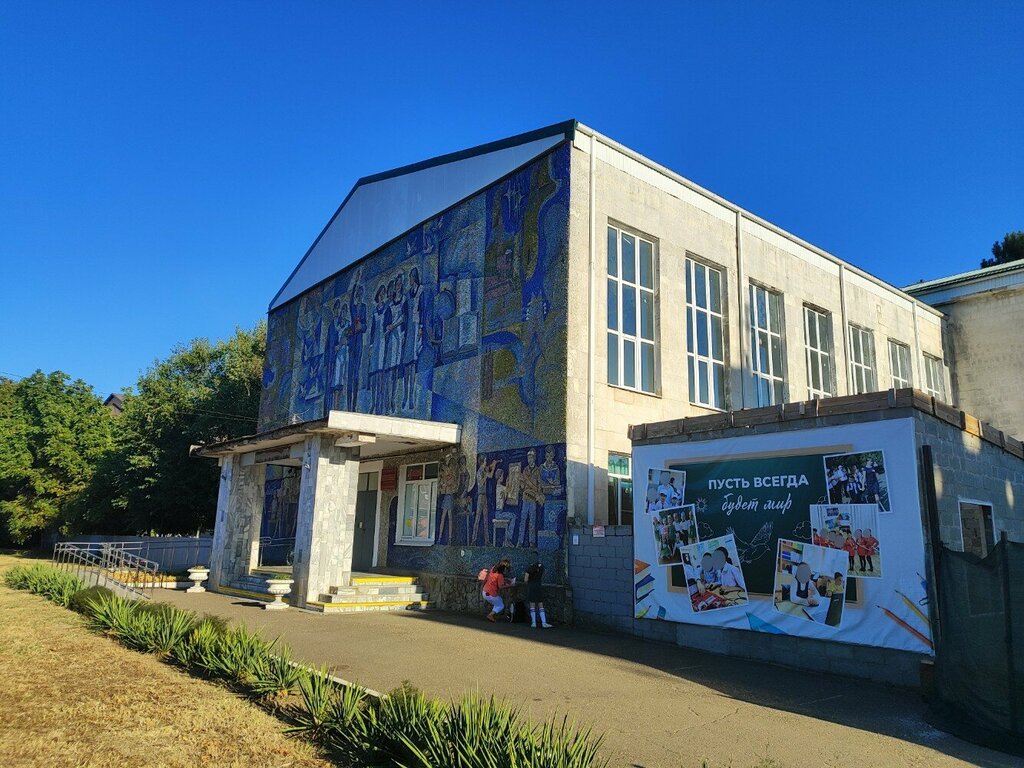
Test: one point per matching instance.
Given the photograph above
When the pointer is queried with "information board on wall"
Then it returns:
(814, 533)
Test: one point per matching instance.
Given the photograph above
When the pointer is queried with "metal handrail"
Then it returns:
(106, 563)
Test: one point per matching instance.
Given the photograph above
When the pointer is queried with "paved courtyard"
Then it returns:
(657, 705)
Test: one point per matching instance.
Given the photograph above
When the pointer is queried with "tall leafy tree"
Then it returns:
(203, 392)
(1010, 248)
(53, 432)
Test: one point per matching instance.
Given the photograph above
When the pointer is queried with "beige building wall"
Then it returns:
(612, 185)
(986, 343)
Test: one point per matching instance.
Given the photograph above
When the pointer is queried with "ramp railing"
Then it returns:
(108, 564)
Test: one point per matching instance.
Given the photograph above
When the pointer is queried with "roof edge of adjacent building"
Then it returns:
(985, 278)
(726, 422)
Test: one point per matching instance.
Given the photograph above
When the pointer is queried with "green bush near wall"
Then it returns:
(405, 728)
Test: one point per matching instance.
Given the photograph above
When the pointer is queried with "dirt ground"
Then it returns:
(658, 705)
(72, 698)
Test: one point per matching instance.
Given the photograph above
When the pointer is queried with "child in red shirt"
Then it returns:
(493, 584)
(850, 546)
(869, 544)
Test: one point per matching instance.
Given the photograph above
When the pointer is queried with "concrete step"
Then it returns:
(410, 590)
(364, 599)
(367, 607)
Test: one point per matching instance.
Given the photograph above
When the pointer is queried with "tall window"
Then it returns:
(899, 364)
(934, 377)
(631, 353)
(417, 493)
(818, 345)
(766, 345)
(620, 490)
(705, 347)
(862, 361)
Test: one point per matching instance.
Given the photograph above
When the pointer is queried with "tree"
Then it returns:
(1010, 249)
(52, 435)
(202, 393)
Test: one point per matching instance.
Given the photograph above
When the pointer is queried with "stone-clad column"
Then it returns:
(239, 515)
(326, 521)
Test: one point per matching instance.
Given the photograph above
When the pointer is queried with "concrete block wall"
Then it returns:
(601, 576)
(970, 468)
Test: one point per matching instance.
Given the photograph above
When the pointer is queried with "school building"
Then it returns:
(453, 366)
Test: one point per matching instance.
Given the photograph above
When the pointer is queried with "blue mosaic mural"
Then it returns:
(461, 320)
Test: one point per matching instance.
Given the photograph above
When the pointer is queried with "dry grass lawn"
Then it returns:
(72, 698)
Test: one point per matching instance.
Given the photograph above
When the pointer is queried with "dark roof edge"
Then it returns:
(566, 127)
(685, 428)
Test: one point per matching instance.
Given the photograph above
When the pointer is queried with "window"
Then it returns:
(862, 361)
(766, 345)
(899, 364)
(417, 493)
(705, 346)
(977, 528)
(818, 343)
(620, 490)
(631, 351)
(934, 377)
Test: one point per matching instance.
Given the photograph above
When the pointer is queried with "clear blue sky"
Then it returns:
(163, 166)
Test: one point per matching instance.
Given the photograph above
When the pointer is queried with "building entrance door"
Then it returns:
(366, 522)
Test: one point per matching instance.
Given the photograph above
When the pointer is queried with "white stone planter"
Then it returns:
(198, 576)
(279, 588)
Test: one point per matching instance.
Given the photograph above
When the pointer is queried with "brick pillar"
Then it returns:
(239, 514)
(326, 519)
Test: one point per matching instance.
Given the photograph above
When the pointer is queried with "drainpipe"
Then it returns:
(744, 319)
(918, 353)
(844, 332)
(591, 330)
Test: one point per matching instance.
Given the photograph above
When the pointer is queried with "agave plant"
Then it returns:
(171, 627)
(319, 703)
(111, 614)
(240, 654)
(561, 745)
(406, 725)
(277, 676)
(347, 732)
(199, 650)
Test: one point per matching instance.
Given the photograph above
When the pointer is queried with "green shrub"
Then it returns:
(81, 600)
(58, 586)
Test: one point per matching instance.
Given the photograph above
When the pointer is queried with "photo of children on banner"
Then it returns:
(665, 489)
(809, 582)
(714, 578)
(853, 529)
(857, 478)
(674, 530)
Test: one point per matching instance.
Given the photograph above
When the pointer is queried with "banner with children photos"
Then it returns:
(814, 533)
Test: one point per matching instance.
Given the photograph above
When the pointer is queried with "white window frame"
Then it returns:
(431, 513)
(694, 360)
(901, 379)
(617, 476)
(761, 338)
(866, 368)
(617, 337)
(934, 378)
(817, 356)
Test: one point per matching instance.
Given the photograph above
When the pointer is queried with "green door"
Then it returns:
(366, 522)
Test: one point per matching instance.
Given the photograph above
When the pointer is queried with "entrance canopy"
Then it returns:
(374, 436)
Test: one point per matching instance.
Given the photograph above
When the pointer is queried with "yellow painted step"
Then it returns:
(383, 580)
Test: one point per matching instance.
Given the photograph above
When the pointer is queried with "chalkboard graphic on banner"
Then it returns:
(757, 501)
